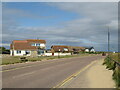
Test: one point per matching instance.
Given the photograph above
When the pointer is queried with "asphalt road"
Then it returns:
(44, 74)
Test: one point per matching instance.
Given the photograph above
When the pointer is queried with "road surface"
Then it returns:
(44, 74)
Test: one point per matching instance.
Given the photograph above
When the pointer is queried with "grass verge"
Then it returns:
(16, 59)
(111, 65)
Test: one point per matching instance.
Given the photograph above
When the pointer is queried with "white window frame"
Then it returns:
(37, 44)
(65, 49)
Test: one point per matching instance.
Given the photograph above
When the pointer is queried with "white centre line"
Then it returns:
(21, 75)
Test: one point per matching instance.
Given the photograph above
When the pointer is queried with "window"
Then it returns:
(27, 52)
(37, 44)
(65, 49)
(40, 52)
(18, 52)
(33, 44)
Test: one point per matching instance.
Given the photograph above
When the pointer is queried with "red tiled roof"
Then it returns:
(25, 44)
(36, 40)
(70, 48)
(59, 47)
(19, 41)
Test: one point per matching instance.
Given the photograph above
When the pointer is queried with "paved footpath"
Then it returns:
(94, 76)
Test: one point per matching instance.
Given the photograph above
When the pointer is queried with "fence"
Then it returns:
(116, 73)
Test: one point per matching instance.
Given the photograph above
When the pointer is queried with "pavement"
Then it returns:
(95, 76)
(44, 74)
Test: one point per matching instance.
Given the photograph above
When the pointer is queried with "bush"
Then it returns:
(33, 60)
(23, 59)
(111, 65)
(116, 76)
(3, 50)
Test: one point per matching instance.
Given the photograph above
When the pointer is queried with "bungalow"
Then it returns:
(29, 47)
(76, 49)
(60, 50)
(66, 49)
(89, 49)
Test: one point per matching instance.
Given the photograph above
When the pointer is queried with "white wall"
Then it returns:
(10, 52)
(48, 54)
(23, 52)
(20, 54)
(86, 50)
(92, 50)
(64, 54)
(42, 45)
(56, 54)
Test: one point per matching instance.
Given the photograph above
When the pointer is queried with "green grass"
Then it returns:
(11, 60)
(16, 59)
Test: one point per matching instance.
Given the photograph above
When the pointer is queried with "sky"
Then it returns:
(61, 23)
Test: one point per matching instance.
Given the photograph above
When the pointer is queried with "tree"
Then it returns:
(3, 50)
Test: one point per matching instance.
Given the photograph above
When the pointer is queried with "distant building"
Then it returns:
(76, 49)
(89, 49)
(66, 49)
(59, 48)
(30, 47)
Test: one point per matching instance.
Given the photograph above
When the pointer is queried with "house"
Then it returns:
(60, 50)
(29, 47)
(66, 49)
(76, 49)
(89, 49)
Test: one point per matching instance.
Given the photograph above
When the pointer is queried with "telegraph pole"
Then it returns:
(108, 41)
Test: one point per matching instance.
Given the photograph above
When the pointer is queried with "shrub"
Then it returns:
(116, 76)
(108, 61)
(23, 59)
(33, 60)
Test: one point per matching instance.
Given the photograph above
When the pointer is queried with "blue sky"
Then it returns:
(43, 14)
(67, 23)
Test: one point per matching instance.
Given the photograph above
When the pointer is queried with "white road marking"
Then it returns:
(21, 75)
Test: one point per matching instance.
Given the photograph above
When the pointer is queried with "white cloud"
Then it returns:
(4, 44)
(60, 0)
(89, 29)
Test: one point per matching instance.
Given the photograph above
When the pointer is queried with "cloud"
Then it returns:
(89, 29)
(4, 44)
(95, 19)
(18, 13)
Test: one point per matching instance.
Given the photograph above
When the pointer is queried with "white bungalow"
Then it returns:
(89, 49)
